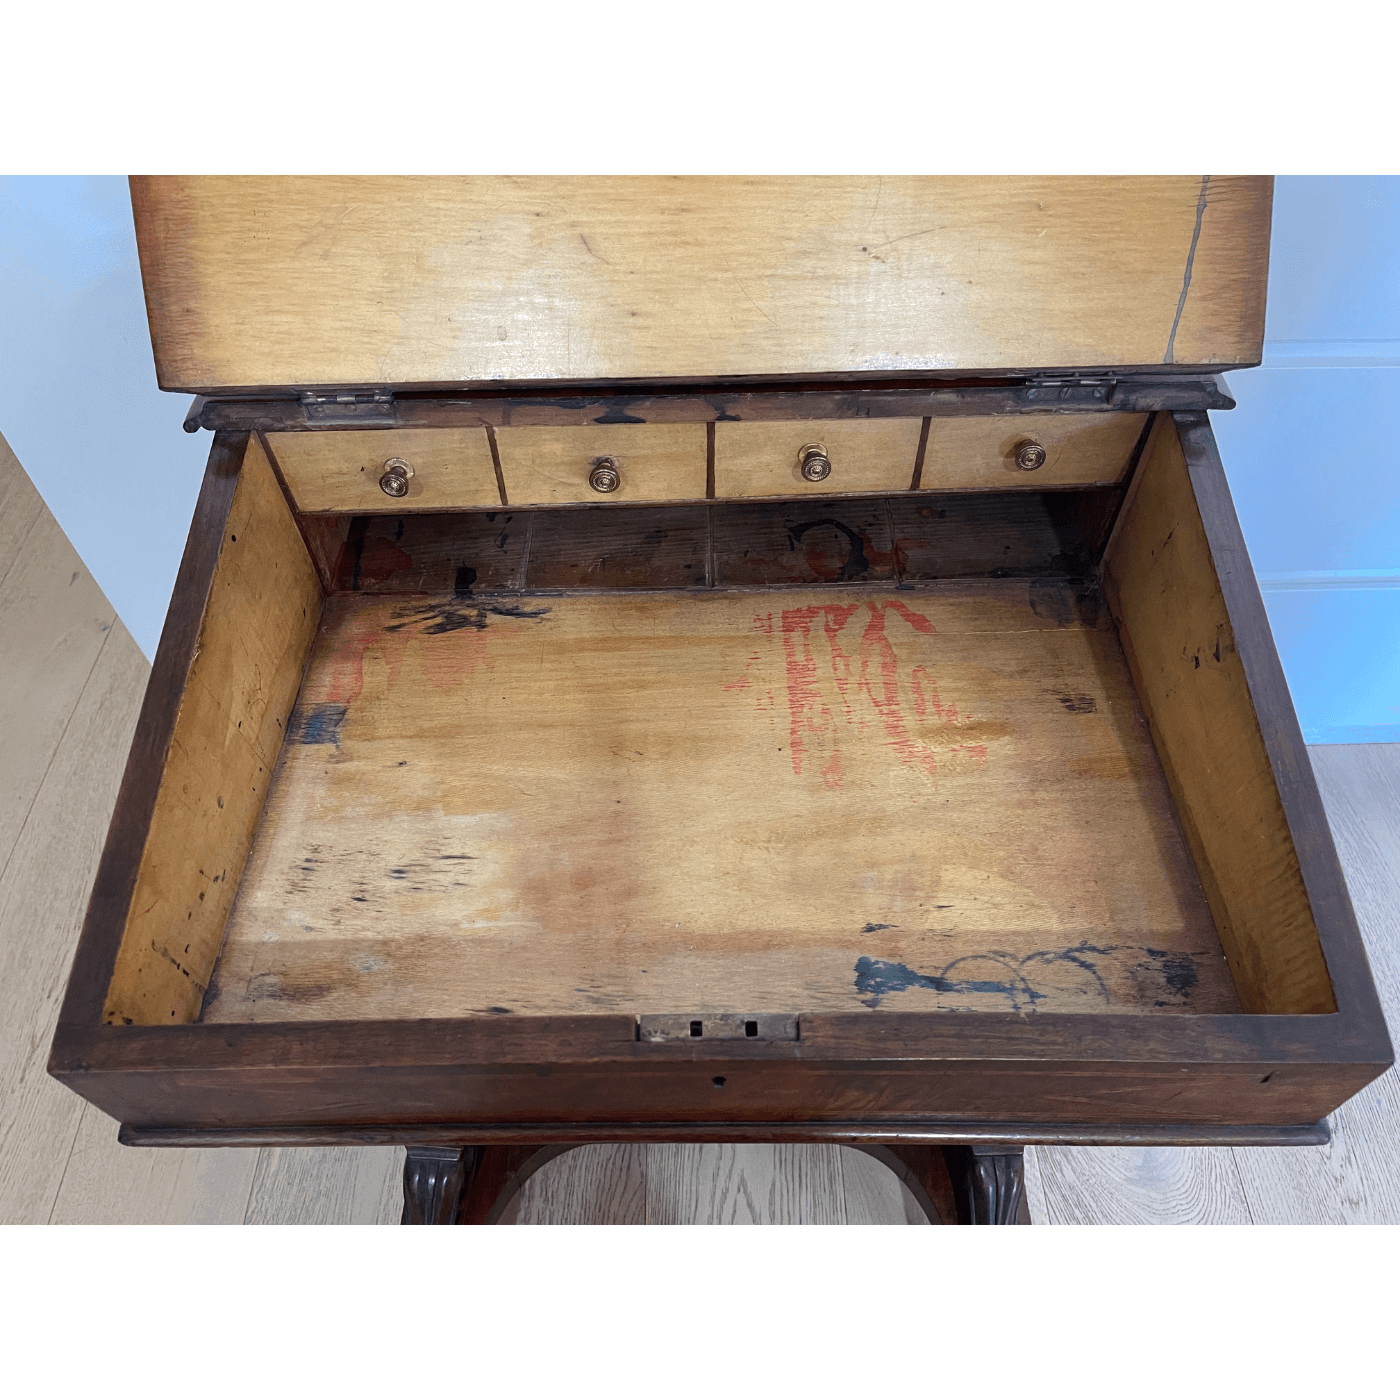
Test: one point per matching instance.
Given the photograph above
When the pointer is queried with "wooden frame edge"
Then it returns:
(105, 921)
(1018, 1134)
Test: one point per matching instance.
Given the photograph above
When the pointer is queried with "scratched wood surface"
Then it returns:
(261, 614)
(1051, 536)
(266, 281)
(743, 802)
(1160, 582)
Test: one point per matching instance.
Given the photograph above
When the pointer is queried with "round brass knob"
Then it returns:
(394, 481)
(813, 462)
(1030, 455)
(605, 476)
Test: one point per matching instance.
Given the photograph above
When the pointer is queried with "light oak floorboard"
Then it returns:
(107, 1184)
(327, 1186)
(43, 895)
(874, 1194)
(605, 1184)
(53, 623)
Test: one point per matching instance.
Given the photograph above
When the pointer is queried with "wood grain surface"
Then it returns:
(452, 469)
(656, 461)
(1162, 587)
(964, 454)
(761, 459)
(727, 802)
(261, 614)
(266, 281)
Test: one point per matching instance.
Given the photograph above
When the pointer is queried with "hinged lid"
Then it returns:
(267, 283)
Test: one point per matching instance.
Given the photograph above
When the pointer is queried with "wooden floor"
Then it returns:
(71, 681)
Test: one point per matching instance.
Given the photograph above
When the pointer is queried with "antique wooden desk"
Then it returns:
(713, 659)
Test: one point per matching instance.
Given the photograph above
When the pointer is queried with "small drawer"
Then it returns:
(617, 462)
(341, 471)
(971, 454)
(865, 454)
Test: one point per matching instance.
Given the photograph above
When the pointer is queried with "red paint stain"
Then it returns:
(808, 713)
(817, 637)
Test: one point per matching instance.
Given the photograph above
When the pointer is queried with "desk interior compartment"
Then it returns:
(937, 753)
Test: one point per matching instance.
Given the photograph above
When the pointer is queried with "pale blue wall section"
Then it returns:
(1309, 452)
(1311, 457)
(78, 397)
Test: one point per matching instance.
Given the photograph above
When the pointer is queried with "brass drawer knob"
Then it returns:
(1030, 455)
(394, 481)
(813, 462)
(605, 475)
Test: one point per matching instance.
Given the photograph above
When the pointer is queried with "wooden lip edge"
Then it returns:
(979, 1042)
(104, 923)
(1343, 949)
(819, 381)
(900, 1131)
(452, 406)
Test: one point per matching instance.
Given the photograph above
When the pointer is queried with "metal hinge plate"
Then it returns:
(1056, 392)
(353, 406)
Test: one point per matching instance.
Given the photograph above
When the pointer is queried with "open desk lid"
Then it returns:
(265, 284)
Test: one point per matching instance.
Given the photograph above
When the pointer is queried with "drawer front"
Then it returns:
(970, 454)
(340, 471)
(866, 454)
(652, 462)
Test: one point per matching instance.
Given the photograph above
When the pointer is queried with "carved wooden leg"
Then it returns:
(466, 1185)
(434, 1180)
(988, 1183)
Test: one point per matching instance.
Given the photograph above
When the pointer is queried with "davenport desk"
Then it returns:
(714, 660)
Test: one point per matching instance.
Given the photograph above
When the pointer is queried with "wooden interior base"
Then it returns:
(744, 802)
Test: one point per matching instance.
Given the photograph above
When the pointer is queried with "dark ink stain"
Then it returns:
(1178, 970)
(317, 724)
(499, 1010)
(462, 583)
(1065, 601)
(1079, 704)
(617, 414)
(1165, 978)
(1049, 600)
(877, 979)
(875, 928)
(856, 564)
(1170, 356)
(456, 857)
(452, 616)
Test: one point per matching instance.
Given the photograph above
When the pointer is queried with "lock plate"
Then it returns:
(699, 1026)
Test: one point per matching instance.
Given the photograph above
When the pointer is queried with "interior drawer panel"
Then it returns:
(554, 466)
(340, 471)
(967, 454)
(762, 459)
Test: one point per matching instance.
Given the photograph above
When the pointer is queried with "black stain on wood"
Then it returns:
(1079, 704)
(462, 583)
(317, 724)
(1159, 978)
(855, 565)
(451, 615)
(875, 928)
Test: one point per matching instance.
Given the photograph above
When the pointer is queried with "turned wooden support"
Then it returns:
(988, 1183)
(466, 1185)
